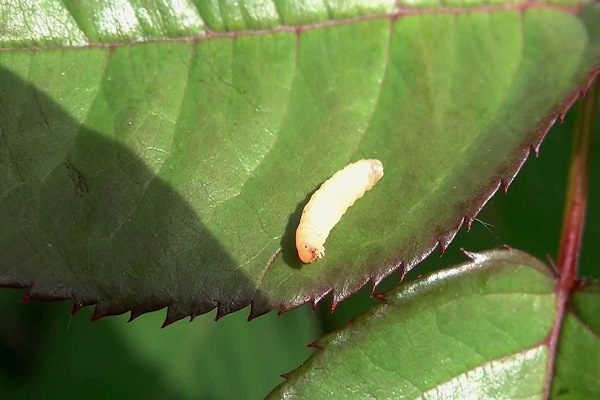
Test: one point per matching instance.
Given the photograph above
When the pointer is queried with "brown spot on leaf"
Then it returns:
(79, 181)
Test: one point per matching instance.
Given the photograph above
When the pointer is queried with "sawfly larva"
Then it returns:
(327, 205)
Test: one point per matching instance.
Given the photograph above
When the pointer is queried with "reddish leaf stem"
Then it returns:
(576, 201)
(574, 220)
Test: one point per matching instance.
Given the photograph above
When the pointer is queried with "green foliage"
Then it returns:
(158, 155)
(480, 331)
(172, 173)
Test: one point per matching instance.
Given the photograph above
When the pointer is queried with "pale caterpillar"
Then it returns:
(327, 205)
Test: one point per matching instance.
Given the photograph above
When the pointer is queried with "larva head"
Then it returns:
(376, 169)
(307, 253)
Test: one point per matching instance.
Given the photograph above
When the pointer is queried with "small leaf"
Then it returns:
(479, 330)
(578, 359)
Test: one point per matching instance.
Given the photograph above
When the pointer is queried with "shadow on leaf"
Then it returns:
(85, 219)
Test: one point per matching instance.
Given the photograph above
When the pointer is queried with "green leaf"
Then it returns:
(478, 330)
(578, 359)
(156, 156)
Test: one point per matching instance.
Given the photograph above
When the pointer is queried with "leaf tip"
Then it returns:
(133, 314)
(75, 307)
(445, 240)
(334, 305)
(373, 286)
(256, 310)
(220, 313)
(443, 247)
(471, 255)
(193, 316)
(535, 148)
(505, 184)
(251, 316)
(167, 322)
(380, 296)
(172, 316)
(314, 345)
(403, 271)
(315, 300)
(338, 297)
(468, 222)
(96, 315)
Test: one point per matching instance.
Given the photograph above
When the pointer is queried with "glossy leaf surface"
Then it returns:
(156, 156)
(479, 330)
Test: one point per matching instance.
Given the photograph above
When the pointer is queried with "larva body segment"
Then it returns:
(327, 205)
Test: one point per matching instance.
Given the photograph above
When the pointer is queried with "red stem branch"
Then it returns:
(574, 221)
